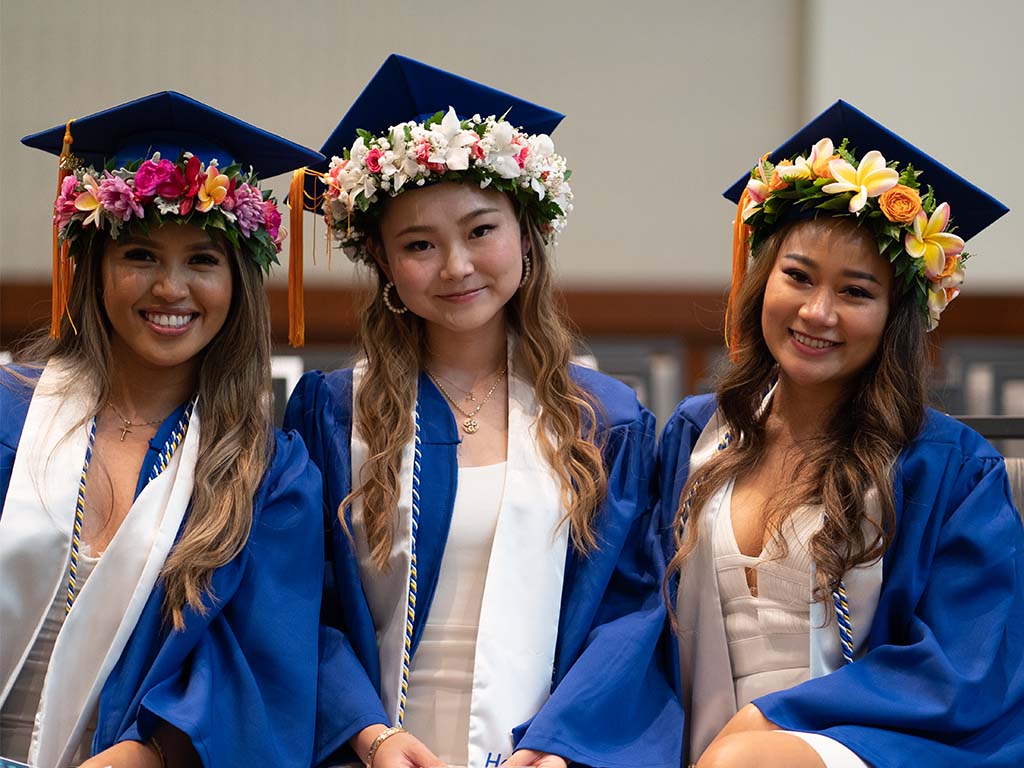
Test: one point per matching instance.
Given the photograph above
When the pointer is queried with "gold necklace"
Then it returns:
(127, 424)
(470, 424)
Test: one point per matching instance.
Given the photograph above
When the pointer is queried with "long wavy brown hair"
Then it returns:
(395, 348)
(234, 399)
(882, 411)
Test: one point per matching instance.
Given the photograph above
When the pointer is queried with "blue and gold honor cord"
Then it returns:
(170, 446)
(410, 615)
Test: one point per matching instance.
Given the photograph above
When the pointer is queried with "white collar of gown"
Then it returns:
(709, 697)
(515, 647)
(35, 549)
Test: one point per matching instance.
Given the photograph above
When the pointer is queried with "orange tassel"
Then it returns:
(740, 257)
(296, 300)
(63, 268)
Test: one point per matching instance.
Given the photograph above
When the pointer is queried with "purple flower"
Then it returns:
(248, 209)
(118, 198)
(64, 208)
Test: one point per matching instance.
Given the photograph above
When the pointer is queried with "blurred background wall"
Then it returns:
(667, 102)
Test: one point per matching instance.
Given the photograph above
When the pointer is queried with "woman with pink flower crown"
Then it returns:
(847, 566)
(161, 581)
(492, 591)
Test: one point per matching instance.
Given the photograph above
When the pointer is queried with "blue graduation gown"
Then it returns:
(241, 679)
(611, 701)
(941, 682)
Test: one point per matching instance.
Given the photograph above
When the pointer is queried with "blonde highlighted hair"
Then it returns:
(234, 401)
(882, 411)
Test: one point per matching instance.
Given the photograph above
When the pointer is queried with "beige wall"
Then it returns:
(667, 102)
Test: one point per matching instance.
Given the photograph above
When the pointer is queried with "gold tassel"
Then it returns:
(63, 269)
(740, 256)
(296, 300)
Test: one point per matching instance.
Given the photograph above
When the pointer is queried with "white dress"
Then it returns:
(441, 675)
(769, 634)
(17, 718)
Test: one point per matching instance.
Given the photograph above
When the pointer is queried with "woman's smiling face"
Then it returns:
(166, 294)
(455, 254)
(826, 303)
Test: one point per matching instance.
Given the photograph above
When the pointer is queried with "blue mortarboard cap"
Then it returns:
(170, 123)
(972, 208)
(404, 89)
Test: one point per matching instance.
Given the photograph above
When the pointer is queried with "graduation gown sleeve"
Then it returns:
(612, 702)
(240, 680)
(349, 678)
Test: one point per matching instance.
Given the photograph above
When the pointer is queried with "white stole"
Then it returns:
(709, 698)
(515, 647)
(35, 547)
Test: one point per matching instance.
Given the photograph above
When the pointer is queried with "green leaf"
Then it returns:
(836, 203)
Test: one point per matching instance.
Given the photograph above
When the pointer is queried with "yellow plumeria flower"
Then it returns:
(870, 179)
(90, 201)
(212, 191)
(928, 241)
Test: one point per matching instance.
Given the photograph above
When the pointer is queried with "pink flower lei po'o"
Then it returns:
(157, 191)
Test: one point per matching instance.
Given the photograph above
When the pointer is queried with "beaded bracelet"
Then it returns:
(383, 736)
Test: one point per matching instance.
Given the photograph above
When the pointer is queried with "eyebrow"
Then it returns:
(854, 273)
(205, 245)
(462, 220)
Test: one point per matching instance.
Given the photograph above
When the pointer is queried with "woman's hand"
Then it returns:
(403, 750)
(528, 757)
(125, 754)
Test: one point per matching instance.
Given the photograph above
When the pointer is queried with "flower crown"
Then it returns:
(912, 231)
(489, 151)
(156, 191)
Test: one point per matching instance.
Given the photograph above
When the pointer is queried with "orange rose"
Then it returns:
(776, 182)
(820, 166)
(900, 204)
(952, 265)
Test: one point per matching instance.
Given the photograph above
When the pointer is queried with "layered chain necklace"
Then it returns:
(127, 424)
(470, 424)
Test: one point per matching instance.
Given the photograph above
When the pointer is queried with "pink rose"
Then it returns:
(476, 150)
(373, 160)
(423, 152)
(272, 219)
(521, 157)
(64, 208)
(151, 175)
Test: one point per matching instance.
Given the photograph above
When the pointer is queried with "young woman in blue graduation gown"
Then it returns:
(491, 586)
(161, 577)
(849, 562)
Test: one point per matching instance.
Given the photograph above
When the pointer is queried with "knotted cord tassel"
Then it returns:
(740, 257)
(296, 300)
(60, 288)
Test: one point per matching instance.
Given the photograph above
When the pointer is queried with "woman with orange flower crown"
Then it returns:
(847, 564)
(492, 593)
(161, 578)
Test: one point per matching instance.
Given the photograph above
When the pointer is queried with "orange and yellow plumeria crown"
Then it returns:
(912, 230)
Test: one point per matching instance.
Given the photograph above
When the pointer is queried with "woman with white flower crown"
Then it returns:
(161, 577)
(492, 592)
(848, 564)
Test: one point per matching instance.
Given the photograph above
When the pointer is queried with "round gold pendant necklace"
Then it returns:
(470, 424)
